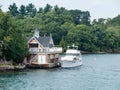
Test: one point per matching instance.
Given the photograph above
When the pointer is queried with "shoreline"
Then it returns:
(12, 67)
(8, 67)
(84, 52)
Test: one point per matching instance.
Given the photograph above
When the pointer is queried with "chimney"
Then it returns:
(36, 33)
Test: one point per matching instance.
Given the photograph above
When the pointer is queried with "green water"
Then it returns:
(98, 72)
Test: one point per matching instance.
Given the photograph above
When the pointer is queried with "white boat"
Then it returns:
(72, 57)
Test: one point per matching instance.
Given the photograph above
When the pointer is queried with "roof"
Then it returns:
(45, 41)
(28, 38)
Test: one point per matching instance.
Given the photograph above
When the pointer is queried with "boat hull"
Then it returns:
(67, 64)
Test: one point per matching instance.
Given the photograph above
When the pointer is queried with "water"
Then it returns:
(98, 72)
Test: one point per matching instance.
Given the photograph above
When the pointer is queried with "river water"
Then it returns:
(98, 72)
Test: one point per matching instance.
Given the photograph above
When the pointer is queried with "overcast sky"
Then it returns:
(97, 8)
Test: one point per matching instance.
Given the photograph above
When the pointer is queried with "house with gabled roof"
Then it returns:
(43, 52)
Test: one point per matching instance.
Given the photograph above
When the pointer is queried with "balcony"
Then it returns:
(45, 50)
(55, 49)
(33, 50)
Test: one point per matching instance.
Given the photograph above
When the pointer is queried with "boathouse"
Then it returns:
(43, 53)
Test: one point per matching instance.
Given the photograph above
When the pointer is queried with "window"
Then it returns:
(35, 45)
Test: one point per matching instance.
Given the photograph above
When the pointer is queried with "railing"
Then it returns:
(33, 50)
(45, 50)
(55, 49)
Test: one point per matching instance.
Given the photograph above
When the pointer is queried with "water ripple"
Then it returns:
(102, 73)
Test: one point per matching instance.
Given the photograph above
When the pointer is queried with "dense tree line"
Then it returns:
(55, 20)
(66, 26)
(13, 45)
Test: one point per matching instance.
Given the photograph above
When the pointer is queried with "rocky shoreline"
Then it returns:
(11, 67)
(8, 66)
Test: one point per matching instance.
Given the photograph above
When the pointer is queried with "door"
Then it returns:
(42, 59)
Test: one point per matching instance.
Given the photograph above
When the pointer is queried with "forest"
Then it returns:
(66, 26)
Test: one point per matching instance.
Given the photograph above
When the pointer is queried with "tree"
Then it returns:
(76, 14)
(113, 38)
(0, 7)
(80, 17)
(1, 13)
(85, 18)
(13, 9)
(98, 38)
(31, 10)
(114, 22)
(1, 34)
(40, 10)
(22, 10)
(47, 8)
(14, 47)
(57, 9)
(0, 50)
(63, 44)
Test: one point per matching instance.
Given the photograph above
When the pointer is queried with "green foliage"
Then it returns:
(47, 8)
(80, 17)
(40, 10)
(31, 10)
(22, 10)
(13, 9)
(114, 22)
(66, 27)
(14, 45)
(63, 44)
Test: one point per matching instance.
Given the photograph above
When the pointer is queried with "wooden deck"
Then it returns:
(42, 66)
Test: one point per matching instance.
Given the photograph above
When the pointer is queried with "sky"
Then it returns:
(97, 8)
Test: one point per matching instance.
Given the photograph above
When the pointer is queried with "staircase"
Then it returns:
(34, 59)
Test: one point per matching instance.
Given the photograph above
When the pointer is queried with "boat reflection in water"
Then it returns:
(72, 57)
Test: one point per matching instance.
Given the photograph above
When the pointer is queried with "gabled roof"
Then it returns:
(44, 41)
(28, 38)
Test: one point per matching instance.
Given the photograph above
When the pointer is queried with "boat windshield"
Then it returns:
(72, 47)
